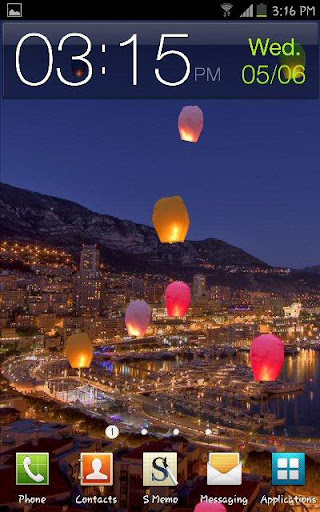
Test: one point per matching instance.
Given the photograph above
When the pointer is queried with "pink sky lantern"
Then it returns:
(209, 507)
(137, 318)
(178, 298)
(267, 357)
(190, 123)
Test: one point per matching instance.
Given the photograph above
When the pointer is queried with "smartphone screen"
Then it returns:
(160, 258)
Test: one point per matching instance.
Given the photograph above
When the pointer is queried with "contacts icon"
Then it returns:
(96, 468)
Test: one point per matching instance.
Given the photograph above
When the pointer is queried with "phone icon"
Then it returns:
(32, 468)
(26, 464)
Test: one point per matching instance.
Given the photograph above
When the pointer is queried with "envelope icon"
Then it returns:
(224, 469)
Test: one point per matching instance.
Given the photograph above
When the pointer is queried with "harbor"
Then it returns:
(216, 392)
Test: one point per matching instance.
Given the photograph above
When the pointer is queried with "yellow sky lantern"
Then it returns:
(293, 66)
(171, 219)
(79, 350)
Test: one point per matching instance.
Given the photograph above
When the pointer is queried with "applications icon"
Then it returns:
(96, 468)
(288, 469)
(32, 468)
(224, 469)
(160, 469)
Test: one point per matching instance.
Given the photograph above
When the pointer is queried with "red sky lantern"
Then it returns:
(178, 298)
(209, 507)
(190, 123)
(267, 357)
(137, 318)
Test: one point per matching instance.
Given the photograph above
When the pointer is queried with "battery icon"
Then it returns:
(261, 11)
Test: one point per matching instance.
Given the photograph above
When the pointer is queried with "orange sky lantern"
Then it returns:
(79, 69)
(171, 219)
(79, 350)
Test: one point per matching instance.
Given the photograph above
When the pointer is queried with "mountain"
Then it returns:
(125, 245)
(31, 216)
(313, 269)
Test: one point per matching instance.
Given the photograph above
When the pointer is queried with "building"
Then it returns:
(199, 285)
(13, 400)
(103, 328)
(12, 299)
(220, 293)
(293, 311)
(115, 299)
(242, 334)
(138, 287)
(24, 321)
(46, 321)
(218, 335)
(154, 292)
(90, 258)
(4, 319)
(8, 333)
(9, 415)
(52, 342)
(88, 281)
(29, 430)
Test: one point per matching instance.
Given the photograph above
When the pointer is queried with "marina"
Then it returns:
(195, 391)
(266, 407)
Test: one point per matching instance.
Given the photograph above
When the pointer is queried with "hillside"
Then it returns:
(125, 245)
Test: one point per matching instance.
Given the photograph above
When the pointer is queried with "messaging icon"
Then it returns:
(224, 469)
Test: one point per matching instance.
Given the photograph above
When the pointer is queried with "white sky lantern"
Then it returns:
(137, 318)
(190, 123)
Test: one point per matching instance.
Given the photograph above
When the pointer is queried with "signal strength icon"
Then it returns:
(227, 8)
(248, 13)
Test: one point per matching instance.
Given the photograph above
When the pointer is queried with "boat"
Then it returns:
(278, 388)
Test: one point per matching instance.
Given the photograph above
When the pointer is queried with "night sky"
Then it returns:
(253, 179)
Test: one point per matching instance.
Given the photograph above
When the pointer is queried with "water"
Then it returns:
(301, 410)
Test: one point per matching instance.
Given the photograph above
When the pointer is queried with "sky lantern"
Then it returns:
(171, 219)
(79, 350)
(137, 318)
(178, 298)
(209, 507)
(79, 69)
(293, 66)
(267, 357)
(190, 123)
